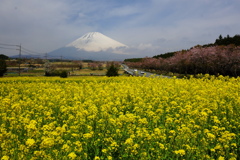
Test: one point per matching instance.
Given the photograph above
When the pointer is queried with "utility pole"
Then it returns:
(46, 56)
(19, 62)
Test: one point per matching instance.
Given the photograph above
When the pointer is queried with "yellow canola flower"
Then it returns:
(96, 158)
(119, 117)
(30, 142)
(180, 152)
(88, 135)
(221, 158)
(161, 146)
(32, 124)
(66, 147)
(72, 155)
(47, 143)
(211, 136)
(104, 150)
(5, 158)
(109, 158)
(129, 141)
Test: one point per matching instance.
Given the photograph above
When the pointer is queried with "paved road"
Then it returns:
(136, 72)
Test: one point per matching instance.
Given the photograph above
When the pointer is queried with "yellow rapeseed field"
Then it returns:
(119, 118)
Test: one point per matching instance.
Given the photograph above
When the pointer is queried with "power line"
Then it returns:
(55, 56)
(30, 51)
(4, 44)
(7, 48)
(23, 49)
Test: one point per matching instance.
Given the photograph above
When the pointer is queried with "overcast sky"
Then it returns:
(152, 26)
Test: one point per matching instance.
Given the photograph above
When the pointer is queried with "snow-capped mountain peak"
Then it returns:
(95, 42)
(93, 46)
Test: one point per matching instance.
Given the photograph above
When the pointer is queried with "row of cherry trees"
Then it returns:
(215, 60)
(100, 65)
(95, 66)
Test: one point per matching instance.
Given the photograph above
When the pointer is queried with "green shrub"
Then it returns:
(112, 71)
(63, 74)
(3, 67)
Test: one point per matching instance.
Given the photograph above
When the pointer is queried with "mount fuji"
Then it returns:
(92, 46)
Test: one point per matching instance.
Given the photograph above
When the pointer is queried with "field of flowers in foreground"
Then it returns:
(119, 118)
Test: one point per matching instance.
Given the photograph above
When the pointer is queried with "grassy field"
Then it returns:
(85, 71)
(119, 118)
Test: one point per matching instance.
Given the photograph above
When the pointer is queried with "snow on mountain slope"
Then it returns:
(95, 42)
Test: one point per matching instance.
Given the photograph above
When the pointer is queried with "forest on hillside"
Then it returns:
(220, 58)
(220, 41)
